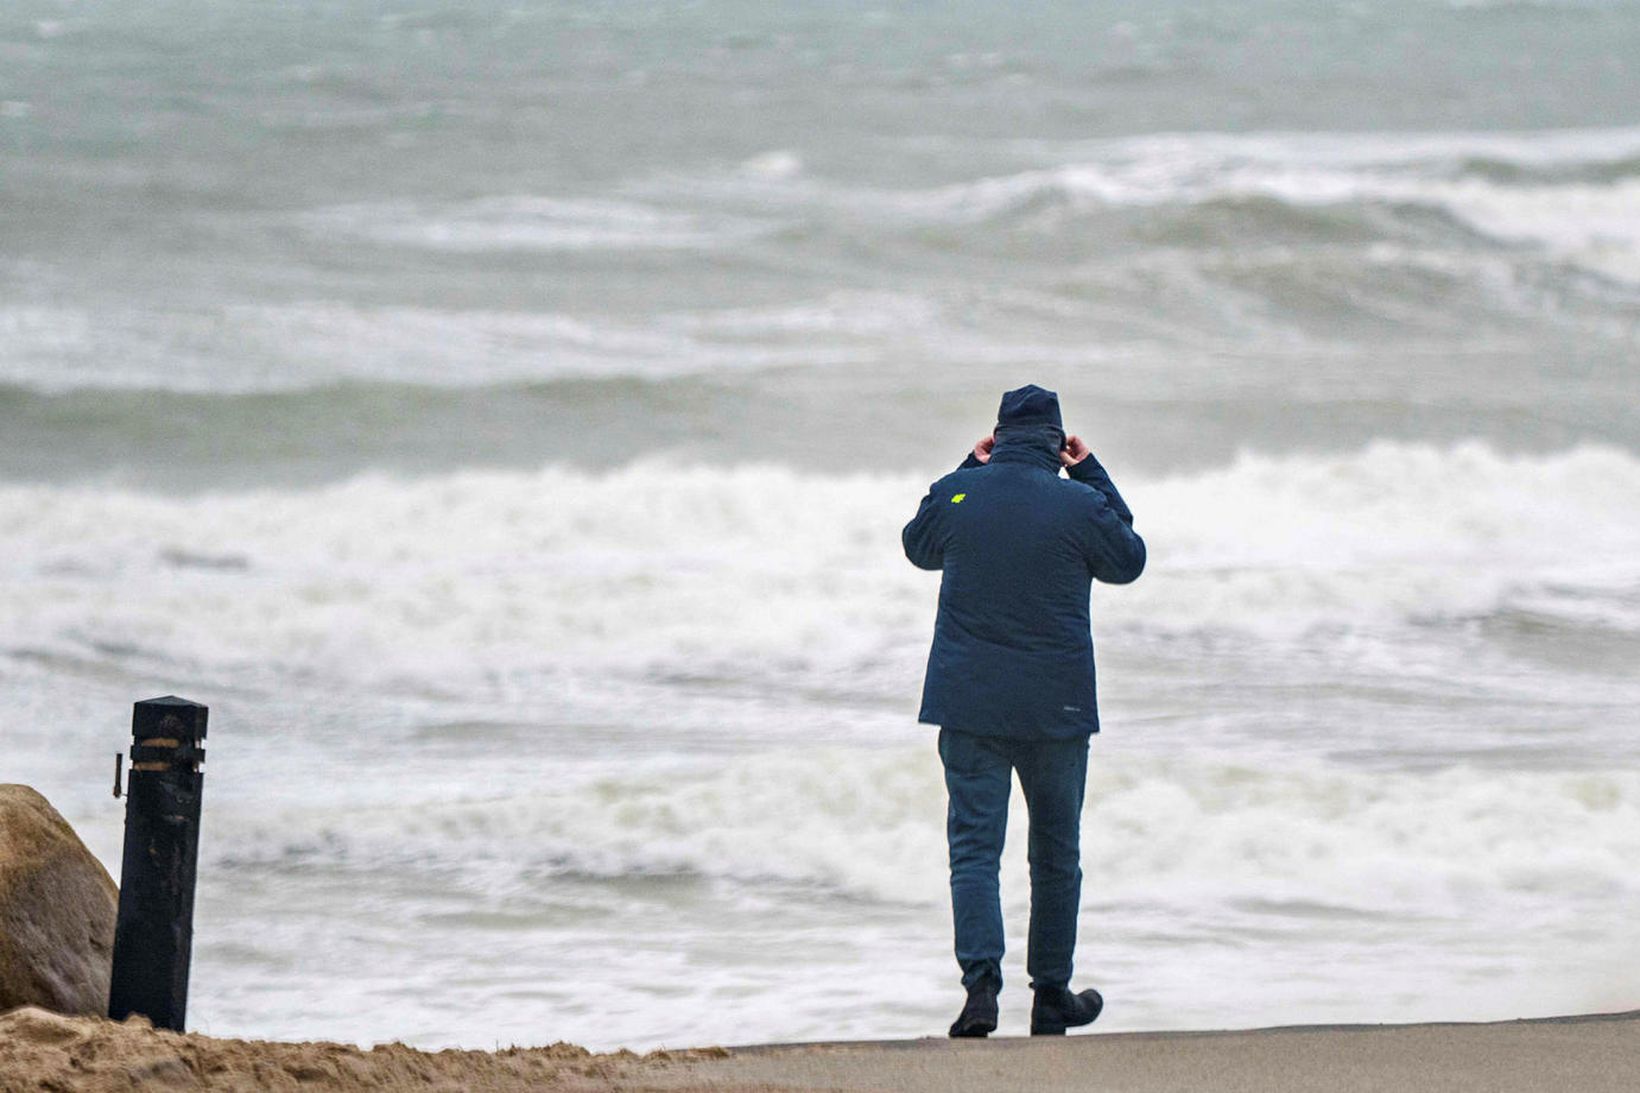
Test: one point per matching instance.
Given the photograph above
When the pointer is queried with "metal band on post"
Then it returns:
(153, 940)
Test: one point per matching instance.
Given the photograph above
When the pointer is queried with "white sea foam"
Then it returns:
(526, 222)
(1593, 226)
(62, 349)
(780, 163)
(1590, 223)
(840, 313)
(761, 570)
(1397, 532)
(1156, 831)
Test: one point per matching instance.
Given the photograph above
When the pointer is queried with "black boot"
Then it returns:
(1057, 1009)
(979, 1017)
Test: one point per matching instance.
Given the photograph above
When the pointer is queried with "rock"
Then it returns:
(57, 911)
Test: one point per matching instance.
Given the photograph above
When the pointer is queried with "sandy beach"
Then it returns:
(1587, 1054)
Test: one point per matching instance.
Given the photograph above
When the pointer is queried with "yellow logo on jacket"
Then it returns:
(956, 499)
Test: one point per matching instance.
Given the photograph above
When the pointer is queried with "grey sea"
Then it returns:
(503, 415)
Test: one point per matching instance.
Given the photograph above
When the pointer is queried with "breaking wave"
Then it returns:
(525, 222)
(1573, 195)
(655, 570)
(866, 823)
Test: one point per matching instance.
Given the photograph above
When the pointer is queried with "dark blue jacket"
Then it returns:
(1020, 547)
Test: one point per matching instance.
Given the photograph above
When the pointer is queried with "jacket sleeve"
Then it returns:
(921, 538)
(1116, 554)
(924, 537)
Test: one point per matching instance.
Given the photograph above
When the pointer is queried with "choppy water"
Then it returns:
(503, 418)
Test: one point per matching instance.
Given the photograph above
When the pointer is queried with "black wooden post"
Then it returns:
(154, 937)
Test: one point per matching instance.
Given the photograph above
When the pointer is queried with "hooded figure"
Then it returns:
(1013, 648)
(1010, 682)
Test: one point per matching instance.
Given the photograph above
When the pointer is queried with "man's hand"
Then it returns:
(982, 450)
(1073, 452)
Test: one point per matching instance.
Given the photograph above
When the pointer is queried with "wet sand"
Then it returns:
(1592, 1054)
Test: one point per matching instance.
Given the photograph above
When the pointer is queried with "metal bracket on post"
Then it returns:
(153, 940)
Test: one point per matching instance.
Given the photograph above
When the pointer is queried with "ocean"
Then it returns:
(502, 416)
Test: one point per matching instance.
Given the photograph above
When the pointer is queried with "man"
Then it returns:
(1010, 683)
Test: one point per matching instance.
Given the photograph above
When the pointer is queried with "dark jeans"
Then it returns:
(978, 777)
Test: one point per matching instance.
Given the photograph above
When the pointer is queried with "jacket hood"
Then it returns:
(1034, 444)
(1029, 405)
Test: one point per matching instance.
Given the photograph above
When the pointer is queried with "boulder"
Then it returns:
(57, 911)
